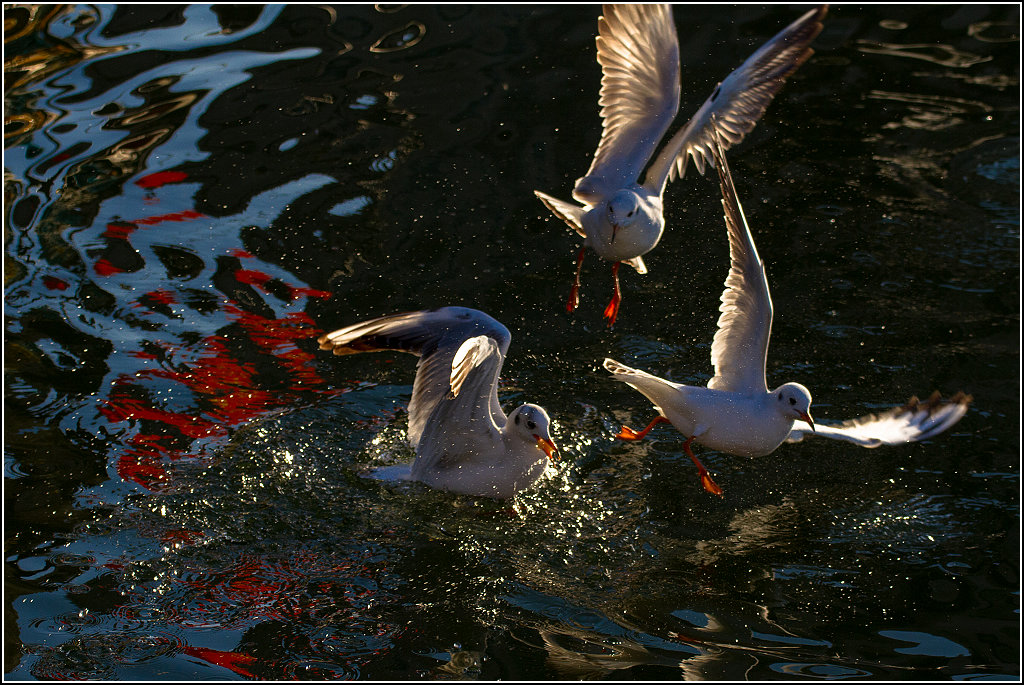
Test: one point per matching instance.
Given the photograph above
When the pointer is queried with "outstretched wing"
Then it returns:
(461, 351)
(913, 421)
(638, 51)
(737, 102)
(740, 348)
(567, 212)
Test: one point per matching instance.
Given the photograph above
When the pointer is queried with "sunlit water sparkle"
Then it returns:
(194, 193)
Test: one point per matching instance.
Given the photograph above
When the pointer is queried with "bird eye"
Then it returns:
(517, 419)
(780, 396)
(531, 425)
(792, 400)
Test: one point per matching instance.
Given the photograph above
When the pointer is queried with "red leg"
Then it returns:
(705, 478)
(628, 433)
(611, 312)
(574, 295)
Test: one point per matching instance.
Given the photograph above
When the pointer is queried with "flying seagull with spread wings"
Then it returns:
(620, 211)
(736, 412)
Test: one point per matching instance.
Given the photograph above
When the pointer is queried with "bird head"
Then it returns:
(532, 424)
(794, 401)
(622, 209)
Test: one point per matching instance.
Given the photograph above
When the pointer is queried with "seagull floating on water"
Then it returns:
(464, 443)
(621, 215)
(736, 413)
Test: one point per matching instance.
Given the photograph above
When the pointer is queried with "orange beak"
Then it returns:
(546, 446)
(807, 417)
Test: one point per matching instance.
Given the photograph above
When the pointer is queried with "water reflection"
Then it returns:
(400, 39)
(192, 192)
(943, 55)
(929, 112)
(824, 671)
(931, 645)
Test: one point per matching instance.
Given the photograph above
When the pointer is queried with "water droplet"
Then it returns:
(400, 39)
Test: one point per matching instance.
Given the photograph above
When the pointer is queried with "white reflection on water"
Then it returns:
(943, 55)
(265, 548)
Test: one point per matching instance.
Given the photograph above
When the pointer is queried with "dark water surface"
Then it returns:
(192, 194)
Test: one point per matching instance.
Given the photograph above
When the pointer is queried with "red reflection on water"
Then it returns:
(161, 178)
(54, 283)
(183, 536)
(119, 229)
(173, 216)
(121, 407)
(309, 292)
(154, 298)
(119, 256)
(297, 589)
(226, 390)
(251, 277)
(260, 280)
(103, 267)
(301, 593)
(235, 661)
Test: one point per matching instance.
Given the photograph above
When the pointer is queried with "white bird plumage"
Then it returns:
(737, 413)
(621, 214)
(464, 443)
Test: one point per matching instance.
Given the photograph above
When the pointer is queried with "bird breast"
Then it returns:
(628, 240)
(730, 422)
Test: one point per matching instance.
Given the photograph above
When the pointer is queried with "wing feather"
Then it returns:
(914, 421)
(738, 102)
(461, 352)
(638, 51)
(569, 213)
(740, 347)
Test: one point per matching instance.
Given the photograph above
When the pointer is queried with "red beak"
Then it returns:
(546, 446)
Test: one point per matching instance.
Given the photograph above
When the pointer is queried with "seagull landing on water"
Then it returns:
(737, 413)
(621, 214)
(464, 442)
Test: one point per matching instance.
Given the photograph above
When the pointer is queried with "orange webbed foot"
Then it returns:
(628, 433)
(709, 484)
(705, 478)
(611, 312)
(573, 302)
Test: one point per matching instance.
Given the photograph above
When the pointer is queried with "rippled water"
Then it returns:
(193, 193)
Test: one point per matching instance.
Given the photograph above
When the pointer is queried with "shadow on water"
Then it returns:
(194, 193)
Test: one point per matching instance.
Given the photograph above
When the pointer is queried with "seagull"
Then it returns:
(621, 214)
(736, 412)
(464, 443)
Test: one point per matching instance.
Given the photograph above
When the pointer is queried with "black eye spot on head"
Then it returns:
(531, 425)
(517, 419)
(792, 400)
(780, 396)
